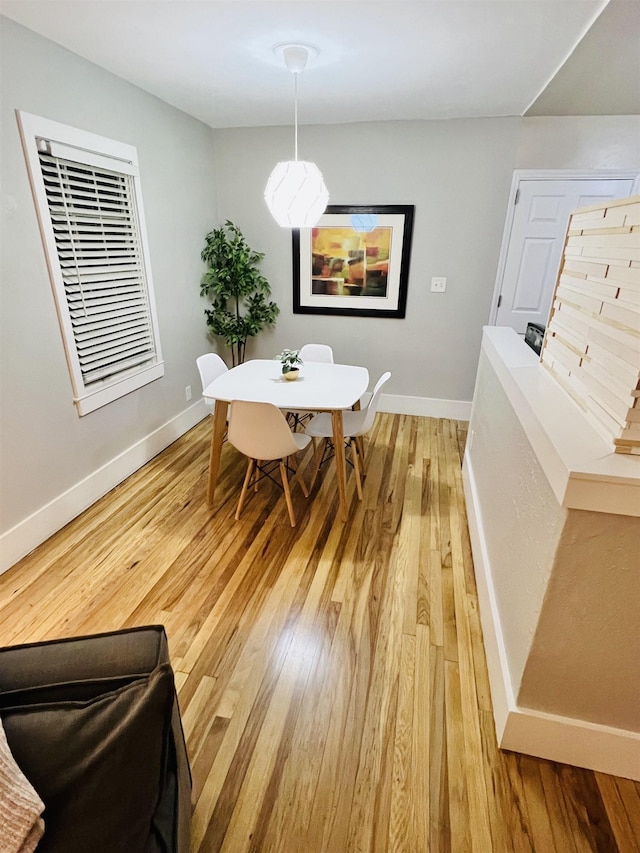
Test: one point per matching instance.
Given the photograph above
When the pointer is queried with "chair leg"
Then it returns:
(356, 466)
(287, 493)
(296, 468)
(256, 472)
(245, 486)
(360, 445)
(319, 454)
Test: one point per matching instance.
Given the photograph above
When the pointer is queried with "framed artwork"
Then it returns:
(354, 262)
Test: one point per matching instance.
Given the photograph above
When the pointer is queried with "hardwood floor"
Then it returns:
(331, 677)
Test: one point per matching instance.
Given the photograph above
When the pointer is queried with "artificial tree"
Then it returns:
(238, 291)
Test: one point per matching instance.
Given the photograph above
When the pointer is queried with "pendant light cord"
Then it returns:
(295, 112)
(295, 193)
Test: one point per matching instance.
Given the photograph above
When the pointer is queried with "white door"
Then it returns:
(536, 242)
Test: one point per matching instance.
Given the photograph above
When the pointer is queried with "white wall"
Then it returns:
(456, 173)
(565, 597)
(579, 142)
(522, 521)
(558, 585)
(45, 448)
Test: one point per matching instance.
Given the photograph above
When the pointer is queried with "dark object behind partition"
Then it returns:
(534, 336)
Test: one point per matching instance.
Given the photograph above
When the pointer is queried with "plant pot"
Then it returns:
(290, 375)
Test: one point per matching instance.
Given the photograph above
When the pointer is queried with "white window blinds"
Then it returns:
(98, 244)
(94, 238)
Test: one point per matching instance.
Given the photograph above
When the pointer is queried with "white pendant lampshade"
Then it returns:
(295, 193)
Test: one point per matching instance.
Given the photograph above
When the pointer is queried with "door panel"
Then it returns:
(536, 242)
(535, 263)
(545, 208)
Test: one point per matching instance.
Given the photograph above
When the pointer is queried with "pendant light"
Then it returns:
(295, 192)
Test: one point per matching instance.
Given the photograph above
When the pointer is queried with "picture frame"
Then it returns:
(354, 262)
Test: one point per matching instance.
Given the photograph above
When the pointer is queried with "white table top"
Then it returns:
(319, 386)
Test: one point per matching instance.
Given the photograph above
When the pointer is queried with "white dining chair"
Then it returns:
(316, 352)
(355, 425)
(261, 432)
(210, 366)
(309, 352)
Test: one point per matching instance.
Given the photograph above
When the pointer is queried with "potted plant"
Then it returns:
(237, 289)
(290, 359)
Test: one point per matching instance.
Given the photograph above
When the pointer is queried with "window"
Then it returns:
(89, 204)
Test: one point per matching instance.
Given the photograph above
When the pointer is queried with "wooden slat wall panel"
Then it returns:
(592, 342)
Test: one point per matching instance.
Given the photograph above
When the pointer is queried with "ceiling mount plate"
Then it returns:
(295, 55)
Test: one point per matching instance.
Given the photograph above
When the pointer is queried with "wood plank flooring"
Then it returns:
(331, 677)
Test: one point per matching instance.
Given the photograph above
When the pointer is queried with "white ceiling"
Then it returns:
(380, 60)
(602, 77)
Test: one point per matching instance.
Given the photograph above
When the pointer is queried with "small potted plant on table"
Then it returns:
(290, 360)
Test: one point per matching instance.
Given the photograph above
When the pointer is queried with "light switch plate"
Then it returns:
(438, 284)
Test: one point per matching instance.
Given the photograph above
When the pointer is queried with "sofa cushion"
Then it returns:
(97, 763)
(65, 691)
(130, 651)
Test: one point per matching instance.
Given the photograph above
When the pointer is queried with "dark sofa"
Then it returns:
(93, 723)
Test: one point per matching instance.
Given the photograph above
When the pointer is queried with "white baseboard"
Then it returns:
(494, 647)
(32, 531)
(575, 742)
(427, 407)
(533, 732)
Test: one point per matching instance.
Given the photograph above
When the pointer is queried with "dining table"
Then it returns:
(319, 387)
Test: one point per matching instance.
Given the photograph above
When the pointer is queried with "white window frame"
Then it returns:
(98, 151)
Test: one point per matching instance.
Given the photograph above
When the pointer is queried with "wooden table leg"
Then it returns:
(358, 440)
(338, 449)
(217, 437)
